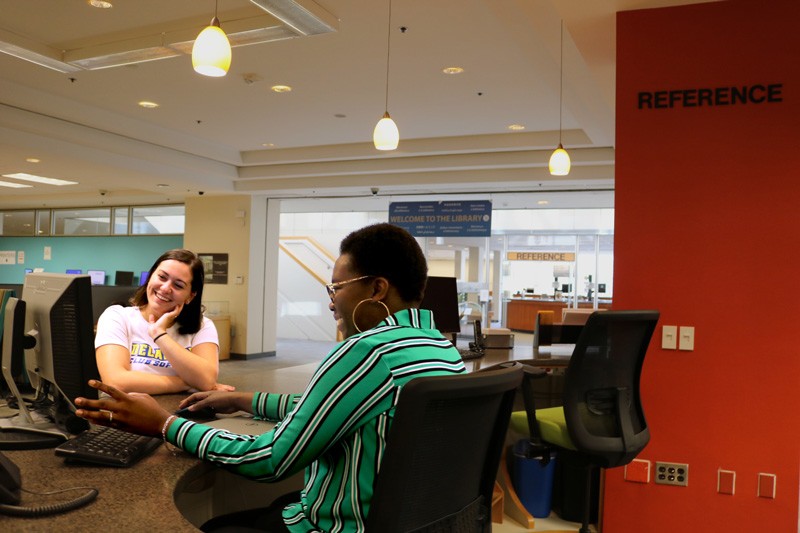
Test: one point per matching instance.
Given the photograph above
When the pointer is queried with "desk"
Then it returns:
(143, 497)
(521, 312)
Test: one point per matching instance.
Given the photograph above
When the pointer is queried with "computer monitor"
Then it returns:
(98, 277)
(74, 271)
(143, 277)
(441, 297)
(104, 296)
(58, 338)
(123, 277)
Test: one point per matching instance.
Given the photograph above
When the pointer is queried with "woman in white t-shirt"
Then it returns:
(162, 343)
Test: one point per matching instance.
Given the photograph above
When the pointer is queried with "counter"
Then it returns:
(148, 496)
(521, 312)
(138, 498)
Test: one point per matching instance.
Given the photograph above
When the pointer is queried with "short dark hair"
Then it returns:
(391, 252)
(191, 317)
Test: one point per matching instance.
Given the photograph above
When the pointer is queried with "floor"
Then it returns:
(292, 352)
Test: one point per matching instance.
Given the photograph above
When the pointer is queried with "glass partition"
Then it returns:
(43, 222)
(158, 220)
(121, 220)
(82, 221)
(146, 220)
(18, 223)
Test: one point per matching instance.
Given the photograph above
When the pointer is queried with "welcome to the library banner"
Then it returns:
(467, 218)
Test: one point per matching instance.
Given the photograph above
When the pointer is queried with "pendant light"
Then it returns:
(386, 135)
(559, 159)
(211, 53)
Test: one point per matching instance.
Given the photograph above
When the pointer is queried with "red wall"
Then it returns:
(707, 216)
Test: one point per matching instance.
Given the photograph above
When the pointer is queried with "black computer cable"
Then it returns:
(50, 509)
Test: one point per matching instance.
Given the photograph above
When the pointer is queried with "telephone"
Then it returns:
(11, 485)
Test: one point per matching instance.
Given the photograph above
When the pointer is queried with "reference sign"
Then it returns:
(541, 256)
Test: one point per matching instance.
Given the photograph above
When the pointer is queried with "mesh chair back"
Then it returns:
(602, 405)
(443, 452)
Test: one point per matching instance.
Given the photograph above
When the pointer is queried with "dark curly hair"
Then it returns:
(191, 317)
(391, 252)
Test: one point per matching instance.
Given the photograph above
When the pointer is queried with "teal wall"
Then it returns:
(134, 253)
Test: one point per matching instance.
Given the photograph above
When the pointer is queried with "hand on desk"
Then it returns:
(221, 402)
(134, 412)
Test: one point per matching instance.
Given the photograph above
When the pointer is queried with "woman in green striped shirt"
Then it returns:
(336, 429)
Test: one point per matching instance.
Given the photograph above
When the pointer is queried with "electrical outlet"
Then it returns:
(672, 474)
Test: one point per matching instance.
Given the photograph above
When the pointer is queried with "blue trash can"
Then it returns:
(533, 480)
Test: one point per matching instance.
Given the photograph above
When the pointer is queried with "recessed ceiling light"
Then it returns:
(39, 179)
(516, 127)
(543, 202)
(33, 160)
(281, 89)
(13, 185)
(268, 145)
(102, 4)
(148, 105)
(452, 70)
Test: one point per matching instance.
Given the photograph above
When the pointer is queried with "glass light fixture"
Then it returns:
(559, 159)
(386, 136)
(211, 52)
(559, 162)
(453, 70)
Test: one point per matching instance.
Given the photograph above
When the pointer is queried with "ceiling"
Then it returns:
(234, 135)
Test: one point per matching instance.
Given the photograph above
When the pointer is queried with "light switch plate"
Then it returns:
(669, 337)
(638, 471)
(766, 485)
(726, 482)
(686, 338)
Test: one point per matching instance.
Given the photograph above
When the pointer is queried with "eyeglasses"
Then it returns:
(333, 287)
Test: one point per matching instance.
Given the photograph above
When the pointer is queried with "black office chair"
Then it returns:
(443, 452)
(601, 419)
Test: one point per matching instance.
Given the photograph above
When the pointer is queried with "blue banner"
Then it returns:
(463, 218)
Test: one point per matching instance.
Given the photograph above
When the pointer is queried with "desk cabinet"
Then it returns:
(223, 325)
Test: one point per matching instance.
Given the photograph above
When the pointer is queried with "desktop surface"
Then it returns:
(117, 506)
(156, 493)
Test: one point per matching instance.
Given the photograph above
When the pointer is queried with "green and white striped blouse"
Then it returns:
(336, 430)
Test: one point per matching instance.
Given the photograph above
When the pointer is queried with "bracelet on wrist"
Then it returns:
(164, 428)
(159, 336)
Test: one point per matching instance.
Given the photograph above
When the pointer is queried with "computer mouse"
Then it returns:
(204, 413)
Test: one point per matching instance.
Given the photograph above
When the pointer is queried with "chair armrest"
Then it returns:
(531, 373)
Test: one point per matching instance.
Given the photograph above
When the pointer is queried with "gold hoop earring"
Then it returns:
(355, 324)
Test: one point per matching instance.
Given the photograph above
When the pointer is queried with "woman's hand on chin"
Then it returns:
(164, 322)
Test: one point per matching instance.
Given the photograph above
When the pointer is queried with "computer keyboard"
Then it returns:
(107, 446)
